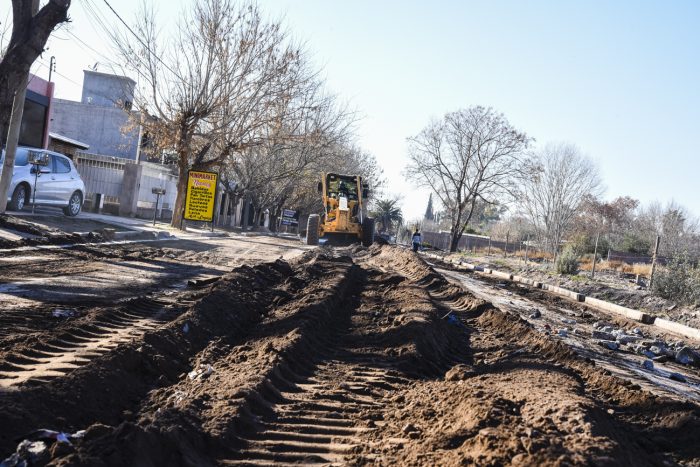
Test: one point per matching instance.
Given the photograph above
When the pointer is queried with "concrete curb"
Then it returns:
(677, 328)
(602, 305)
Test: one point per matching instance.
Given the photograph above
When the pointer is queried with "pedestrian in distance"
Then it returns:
(417, 240)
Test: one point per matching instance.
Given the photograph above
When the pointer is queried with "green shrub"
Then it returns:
(584, 244)
(634, 244)
(567, 261)
(679, 281)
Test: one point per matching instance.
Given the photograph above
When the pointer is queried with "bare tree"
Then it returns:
(559, 181)
(470, 156)
(211, 86)
(312, 127)
(29, 35)
(678, 228)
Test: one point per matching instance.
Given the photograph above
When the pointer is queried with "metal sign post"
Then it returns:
(38, 160)
(158, 192)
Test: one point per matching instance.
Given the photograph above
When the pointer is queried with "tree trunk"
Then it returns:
(179, 209)
(454, 242)
(246, 212)
(30, 31)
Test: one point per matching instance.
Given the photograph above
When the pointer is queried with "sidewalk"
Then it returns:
(160, 229)
(125, 227)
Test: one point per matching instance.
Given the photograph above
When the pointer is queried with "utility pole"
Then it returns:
(52, 66)
(595, 254)
(13, 131)
(653, 260)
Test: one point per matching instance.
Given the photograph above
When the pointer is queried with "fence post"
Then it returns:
(489, 246)
(595, 254)
(505, 251)
(653, 261)
(527, 240)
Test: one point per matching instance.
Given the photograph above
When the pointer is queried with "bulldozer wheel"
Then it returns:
(367, 231)
(312, 229)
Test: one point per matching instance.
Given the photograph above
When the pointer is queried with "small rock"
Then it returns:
(606, 336)
(409, 428)
(563, 333)
(611, 345)
(685, 356)
(626, 338)
(648, 354)
(648, 365)
(459, 372)
(568, 321)
(638, 332)
(536, 314)
(609, 329)
(677, 377)
(661, 358)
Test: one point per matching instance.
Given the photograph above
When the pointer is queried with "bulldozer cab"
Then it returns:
(344, 218)
(343, 194)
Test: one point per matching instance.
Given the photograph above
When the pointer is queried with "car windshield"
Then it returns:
(21, 158)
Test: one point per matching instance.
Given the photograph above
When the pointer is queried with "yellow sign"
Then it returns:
(201, 194)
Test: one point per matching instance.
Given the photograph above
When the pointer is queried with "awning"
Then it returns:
(67, 140)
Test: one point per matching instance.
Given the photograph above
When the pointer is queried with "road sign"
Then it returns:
(201, 194)
(289, 217)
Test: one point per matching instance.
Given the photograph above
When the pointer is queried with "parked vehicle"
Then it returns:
(57, 184)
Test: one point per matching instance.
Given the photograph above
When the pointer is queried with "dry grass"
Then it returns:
(586, 264)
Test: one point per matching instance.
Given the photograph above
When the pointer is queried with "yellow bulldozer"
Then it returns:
(344, 219)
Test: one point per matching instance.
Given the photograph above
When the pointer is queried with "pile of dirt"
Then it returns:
(357, 356)
(126, 374)
(42, 235)
(525, 399)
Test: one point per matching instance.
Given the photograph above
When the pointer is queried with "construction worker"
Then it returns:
(417, 240)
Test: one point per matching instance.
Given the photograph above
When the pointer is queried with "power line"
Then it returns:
(41, 62)
(141, 41)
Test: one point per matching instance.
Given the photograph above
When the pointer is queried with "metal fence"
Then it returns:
(104, 176)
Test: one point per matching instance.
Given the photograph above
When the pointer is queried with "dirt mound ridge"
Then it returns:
(44, 236)
(366, 358)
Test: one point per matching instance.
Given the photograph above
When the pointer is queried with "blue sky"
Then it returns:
(619, 79)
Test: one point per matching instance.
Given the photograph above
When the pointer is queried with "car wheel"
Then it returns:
(75, 203)
(367, 231)
(19, 196)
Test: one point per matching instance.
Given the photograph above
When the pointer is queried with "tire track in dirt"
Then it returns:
(142, 345)
(320, 412)
(75, 346)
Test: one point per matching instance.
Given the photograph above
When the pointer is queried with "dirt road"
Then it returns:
(346, 357)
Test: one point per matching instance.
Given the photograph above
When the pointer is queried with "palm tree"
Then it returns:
(387, 214)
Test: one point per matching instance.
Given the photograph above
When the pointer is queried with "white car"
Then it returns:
(57, 184)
